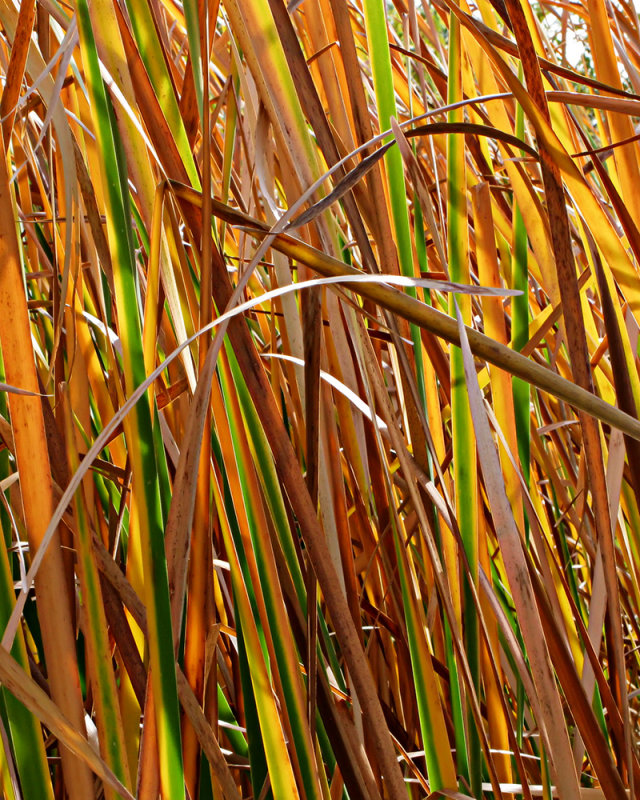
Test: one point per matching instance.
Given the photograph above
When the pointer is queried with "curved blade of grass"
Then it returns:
(430, 319)
(444, 326)
(355, 175)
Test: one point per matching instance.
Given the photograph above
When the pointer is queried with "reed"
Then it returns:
(319, 390)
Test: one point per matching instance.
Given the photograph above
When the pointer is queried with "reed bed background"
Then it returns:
(319, 439)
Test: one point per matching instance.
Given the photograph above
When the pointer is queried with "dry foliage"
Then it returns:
(319, 439)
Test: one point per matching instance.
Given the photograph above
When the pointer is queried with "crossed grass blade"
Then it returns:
(330, 388)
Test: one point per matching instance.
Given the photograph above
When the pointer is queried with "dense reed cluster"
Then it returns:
(319, 393)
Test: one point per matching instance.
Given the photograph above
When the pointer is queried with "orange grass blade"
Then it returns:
(36, 487)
